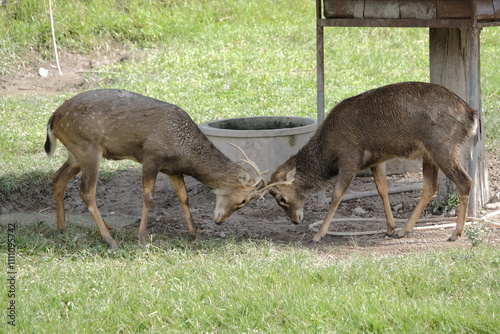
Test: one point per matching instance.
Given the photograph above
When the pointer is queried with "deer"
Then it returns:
(408, 120)
(118, 124)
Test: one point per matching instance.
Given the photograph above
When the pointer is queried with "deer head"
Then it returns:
(288, 193)
(236, 197)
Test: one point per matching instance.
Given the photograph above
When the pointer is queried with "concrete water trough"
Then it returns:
(267, 140)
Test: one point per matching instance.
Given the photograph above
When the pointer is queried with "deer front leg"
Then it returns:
(181, 192)
(379, 176)
(343, 182)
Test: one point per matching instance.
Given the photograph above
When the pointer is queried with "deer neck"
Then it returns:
(220, 173)
(315, 165)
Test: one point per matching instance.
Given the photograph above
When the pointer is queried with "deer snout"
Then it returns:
(220, 216)
(296, 216)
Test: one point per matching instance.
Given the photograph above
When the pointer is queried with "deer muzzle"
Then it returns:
(219, 216)
(296, 216)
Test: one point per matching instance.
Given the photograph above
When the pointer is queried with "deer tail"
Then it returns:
(50, 142)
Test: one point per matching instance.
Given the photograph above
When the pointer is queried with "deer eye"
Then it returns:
(283, 200)
(243, 202)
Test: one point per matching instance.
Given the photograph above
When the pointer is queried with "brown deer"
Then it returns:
(409, 120)
(117, 124)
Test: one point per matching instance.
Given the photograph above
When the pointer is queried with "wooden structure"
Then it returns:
(454, 54)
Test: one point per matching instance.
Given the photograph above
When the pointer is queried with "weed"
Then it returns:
(479, 233)
(444, 203)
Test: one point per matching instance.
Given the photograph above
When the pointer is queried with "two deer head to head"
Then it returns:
(409, 120)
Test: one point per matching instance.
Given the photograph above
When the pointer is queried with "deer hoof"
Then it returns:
(114, 246)
(143, 241)
(454, 236)
(401, 234)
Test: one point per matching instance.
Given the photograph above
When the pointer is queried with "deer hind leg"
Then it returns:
(60, 180)
(455, 172)
(181, 192)
(344, 179)
(149, 175)
(379, 176)
(90, 171)
(430, 172)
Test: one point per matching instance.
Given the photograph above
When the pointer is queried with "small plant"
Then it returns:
(478, 233)
(453, 202)
(444, 203)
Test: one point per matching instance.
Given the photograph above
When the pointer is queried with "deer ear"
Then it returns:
(290, 176)
(273, 191)
(244, 178)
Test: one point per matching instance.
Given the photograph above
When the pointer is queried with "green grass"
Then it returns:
(74, 281)
(220, 59)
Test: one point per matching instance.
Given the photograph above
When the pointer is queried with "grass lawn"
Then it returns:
(180, 287)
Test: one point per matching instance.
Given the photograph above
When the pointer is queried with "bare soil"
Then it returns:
(79, 72)
(120, 196)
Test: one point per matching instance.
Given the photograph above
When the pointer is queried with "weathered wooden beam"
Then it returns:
(419, 13)
(320, 66)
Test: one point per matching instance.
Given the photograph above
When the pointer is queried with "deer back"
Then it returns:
(399, 120)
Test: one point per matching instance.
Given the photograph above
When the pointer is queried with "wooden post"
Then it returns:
(320, 65)
(454, 63)
(320, 82)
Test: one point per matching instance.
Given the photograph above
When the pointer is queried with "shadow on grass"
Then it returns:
(29, 184)
(41, 238)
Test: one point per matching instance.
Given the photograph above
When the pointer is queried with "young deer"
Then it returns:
(117, 124)
(409, 120)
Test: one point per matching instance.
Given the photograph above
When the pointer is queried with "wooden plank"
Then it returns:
(437, 23)
(347, 9)
(453, 9)
(417, 9)
(496, 9)
(478, 166)
(381, 9)
(485, 10)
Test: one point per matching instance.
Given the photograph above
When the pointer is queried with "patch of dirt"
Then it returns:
(120, 197)
(120, 203)
(78, 73)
